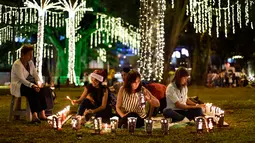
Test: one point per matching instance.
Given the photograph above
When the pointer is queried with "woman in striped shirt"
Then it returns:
(131, 100)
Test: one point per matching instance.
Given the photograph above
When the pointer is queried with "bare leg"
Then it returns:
(42, 114)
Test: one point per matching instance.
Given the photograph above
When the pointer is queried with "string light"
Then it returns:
(72, 9)
(151, 25)
(42, 8)
(201, 15)
(233, 19)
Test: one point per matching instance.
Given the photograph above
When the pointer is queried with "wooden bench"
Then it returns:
(18, 111)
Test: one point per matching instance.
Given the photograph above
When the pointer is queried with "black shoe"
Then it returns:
(36, 120)
(43, 119)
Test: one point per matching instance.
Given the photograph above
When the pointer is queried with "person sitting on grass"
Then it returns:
(179, 106)
(25, 82)
(129, 102)
(94, 99)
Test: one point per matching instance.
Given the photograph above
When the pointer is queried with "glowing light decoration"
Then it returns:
(41, 7)
(151, 25)
(110, 30)
(201, 14)
(72, 9)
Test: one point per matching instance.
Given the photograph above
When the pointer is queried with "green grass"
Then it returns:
(239, 104)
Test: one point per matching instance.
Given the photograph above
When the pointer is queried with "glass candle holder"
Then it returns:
(114, 124)
(131, 124)
(76, 122)
(97, 126)
(164, 126)
(209, 123)
(200, 123)
(221, 119)
(148, 126)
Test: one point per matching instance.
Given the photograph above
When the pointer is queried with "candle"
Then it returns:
(209, 123)
(221, 119)
(164, 126)
(148, 126)
(132, 124)
(199, 124)
(114, 124)
(96, 126)
(76, 122)
(67, 97)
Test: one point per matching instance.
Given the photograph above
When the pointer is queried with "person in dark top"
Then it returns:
(94, 99)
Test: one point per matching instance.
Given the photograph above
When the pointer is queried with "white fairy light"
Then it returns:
(41, 7)
(229, 16)
(246, 12)
(219, 12)
(233, 19)
(225, 23)
(151, 25)
(72, 9)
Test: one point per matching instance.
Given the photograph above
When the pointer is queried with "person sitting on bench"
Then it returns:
(25, 82)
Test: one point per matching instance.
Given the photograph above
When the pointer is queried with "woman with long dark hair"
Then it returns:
(179, 106)
(130, 99)
(94, 99)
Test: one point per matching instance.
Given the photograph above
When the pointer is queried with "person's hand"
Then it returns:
(123, 115)
(200, 105)
(36, 88)
(75, 101)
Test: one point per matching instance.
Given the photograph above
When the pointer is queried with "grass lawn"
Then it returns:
(238, 103)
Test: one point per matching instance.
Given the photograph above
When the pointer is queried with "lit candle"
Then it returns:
(209, 123)
(67, 97)
(76, 122)
(114, 124)
(164, 126)
(148, 126)
(131, 124)
(199, 124)
(96, 126)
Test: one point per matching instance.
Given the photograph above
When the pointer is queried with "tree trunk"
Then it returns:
(201, 57)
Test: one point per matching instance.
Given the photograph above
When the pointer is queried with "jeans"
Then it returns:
(178, 115)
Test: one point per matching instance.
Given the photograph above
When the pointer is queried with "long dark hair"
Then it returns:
(181, 72)
(131, 78)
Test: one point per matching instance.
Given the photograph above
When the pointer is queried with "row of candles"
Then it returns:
(56, 121)
(100, 128)
(214, 116)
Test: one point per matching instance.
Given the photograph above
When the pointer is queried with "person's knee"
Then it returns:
(169, 113)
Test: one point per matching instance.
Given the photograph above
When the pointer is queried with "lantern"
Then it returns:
(132, 124)
(164, 126)
(56, 122)
(148, 126)
(200, 123)
(97, 127)
(114, 124)
(221, 119)
(209, 123)
(76, 122)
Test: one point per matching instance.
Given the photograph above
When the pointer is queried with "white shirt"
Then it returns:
(19, 75)
(173, 94)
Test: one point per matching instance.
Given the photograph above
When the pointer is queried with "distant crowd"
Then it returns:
(226, 79)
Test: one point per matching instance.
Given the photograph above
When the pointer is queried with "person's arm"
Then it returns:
(104, 103)
(119, 102)
(34, 72)
(82, 97)
(18, 71)
(150, 98)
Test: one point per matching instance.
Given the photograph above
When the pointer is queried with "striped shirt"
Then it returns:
(131, 103)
